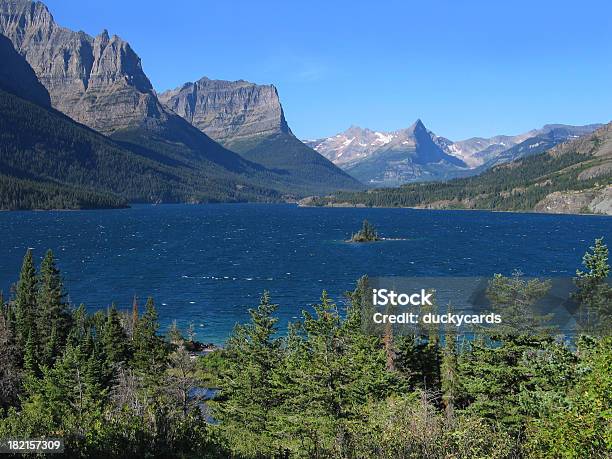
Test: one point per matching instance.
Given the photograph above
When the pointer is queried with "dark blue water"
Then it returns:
(208, 264)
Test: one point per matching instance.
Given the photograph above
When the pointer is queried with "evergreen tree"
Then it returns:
(150, 350)
(25, 301)
(182, 380)
(51, 347)
(71, 391)
(10, 369)
(338, 370)
(367, 233)
(54, 317)
(114, 340)
(594, 294)
(514, 299)
(174, 334)
(30, 360)
(578, 424)
(250, 385)
(448, 371)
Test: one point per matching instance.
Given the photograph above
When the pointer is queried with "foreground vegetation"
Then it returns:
(112, 386)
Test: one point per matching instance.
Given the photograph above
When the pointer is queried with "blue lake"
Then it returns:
(209, 264)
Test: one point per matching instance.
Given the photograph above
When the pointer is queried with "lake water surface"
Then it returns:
(209, 264)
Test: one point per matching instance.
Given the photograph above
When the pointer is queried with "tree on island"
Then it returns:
(367, 233)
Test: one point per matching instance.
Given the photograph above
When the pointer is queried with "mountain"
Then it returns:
(21, 95)
(230, 112)
(50, 161)
(366, 154)
(99, 81)
(390, 158)
(17, 77)
(572, 177)
(477, 151)
(248, 118)
(538, 141)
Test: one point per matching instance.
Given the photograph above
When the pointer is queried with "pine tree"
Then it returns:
(80, 326)
(182, 379)
(596, 262)
(72, 392)
(367, 233)
(174, 334)
(30, 361)
(250, 379)
(25, 302)
(10, 371)
(51, 347)
(134, 317)
(514, 299)
(114, 340)
(54, 317)
(448, 371)
(594, 294)
(150, 351)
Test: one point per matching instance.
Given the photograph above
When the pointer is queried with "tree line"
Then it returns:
(49, 161)
(112, 385)
(516, 186)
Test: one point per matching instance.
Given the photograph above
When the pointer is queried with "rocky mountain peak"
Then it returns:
(418, 126)
(229, 111)
(390, 157)
(96, 81)
(356, 131)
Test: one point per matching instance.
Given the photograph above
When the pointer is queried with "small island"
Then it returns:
(367, 233)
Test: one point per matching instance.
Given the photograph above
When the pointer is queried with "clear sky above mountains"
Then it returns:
(466, 68)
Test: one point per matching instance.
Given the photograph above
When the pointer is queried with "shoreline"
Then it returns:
(357, 206)
(297, 204)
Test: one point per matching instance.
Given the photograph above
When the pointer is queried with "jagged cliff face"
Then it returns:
(96, 81)
(230, 112)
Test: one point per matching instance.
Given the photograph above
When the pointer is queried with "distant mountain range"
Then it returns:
(390, 158)
(99, 82)
(573, 177)
(416, 154)
(82, 126)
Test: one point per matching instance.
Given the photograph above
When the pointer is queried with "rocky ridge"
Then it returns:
(97, 81)
(229, 111)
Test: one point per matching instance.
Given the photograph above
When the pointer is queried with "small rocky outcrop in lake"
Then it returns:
(367, 233)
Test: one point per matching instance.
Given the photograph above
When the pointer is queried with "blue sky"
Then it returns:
(466, 68)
